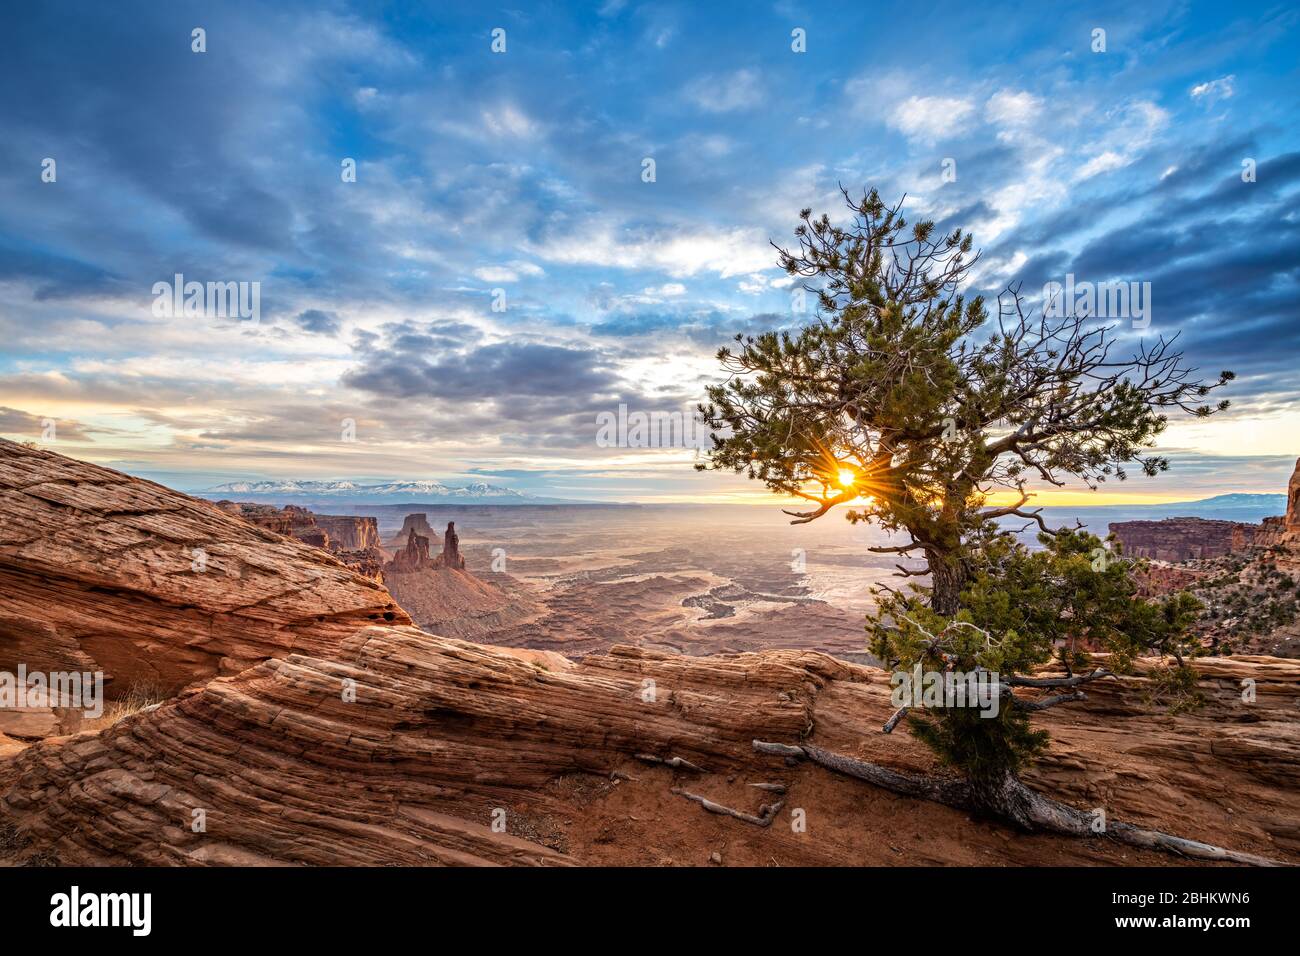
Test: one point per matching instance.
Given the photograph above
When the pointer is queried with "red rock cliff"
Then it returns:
(1179, 539)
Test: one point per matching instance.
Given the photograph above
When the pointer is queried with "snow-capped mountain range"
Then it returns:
(394, 491)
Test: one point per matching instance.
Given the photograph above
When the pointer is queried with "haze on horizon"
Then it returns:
(483, 175)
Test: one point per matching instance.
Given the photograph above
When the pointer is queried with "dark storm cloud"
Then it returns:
(498, 372)
(1224, 264)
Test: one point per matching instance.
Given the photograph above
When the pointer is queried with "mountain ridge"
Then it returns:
(403, 491)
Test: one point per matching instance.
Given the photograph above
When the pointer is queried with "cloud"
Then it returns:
(509, 272)
(1012, 108)
(1130, 129)
(15, 421)
(680, 251)
(715, 93)
(1214, 90)
(318, 322)
(492, 373)
(931, 118)
(509, 120)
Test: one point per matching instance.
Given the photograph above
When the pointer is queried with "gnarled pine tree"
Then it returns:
(910, 405)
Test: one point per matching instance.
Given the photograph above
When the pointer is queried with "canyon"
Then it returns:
(308, 720)
(1176, 540)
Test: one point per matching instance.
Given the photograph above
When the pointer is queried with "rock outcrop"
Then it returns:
(419, 523)
(342, 740)
(414, 556)
(1187, 539)
(350, 532)
(100, 571)
(351, 539)
(1181, 539)
(1283, 530)
(442, 738)
(451, 556)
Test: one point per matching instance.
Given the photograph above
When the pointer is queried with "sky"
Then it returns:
(504, 268)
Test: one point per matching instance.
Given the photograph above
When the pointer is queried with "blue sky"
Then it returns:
(522, 171)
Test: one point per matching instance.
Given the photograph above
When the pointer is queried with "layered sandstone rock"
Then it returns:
(100, 571)
(350, 532)
(403, 748)
(414, 555)
(355, 743)
(332, 532)
(1180, 539)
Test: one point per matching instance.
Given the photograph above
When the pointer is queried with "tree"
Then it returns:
(1020, 609)
(899, 402)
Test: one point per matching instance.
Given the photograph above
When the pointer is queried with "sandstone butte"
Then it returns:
(442, 738)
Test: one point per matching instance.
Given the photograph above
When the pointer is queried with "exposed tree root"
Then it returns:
(677, 763)
(1010, 800)
(766, 813)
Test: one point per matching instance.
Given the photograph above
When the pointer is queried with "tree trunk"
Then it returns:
(946, 581)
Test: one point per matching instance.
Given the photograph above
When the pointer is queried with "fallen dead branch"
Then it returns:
(766, 813)
(1010, 800)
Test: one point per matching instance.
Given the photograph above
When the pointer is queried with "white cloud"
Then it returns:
(1133, 128)
(509, 272)
(1102, 163)
(1012, 108)
(930, 118)
(676, 251)
(667, 289)
(720, 94)
(1214, 90)
(508, 120)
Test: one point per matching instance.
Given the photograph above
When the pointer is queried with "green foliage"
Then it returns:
(1176, 688)
(928, 400)
(1020, 609)
(912, 405)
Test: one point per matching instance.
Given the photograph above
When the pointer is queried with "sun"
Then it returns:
(847, 478)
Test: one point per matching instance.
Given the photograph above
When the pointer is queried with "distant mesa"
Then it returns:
(352, 539)
(419, 523)
(1186, 539)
